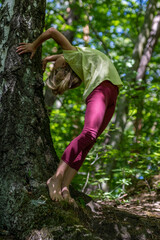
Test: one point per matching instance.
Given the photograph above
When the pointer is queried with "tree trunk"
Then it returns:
(27, 155)
(145, 32)
(140, 78)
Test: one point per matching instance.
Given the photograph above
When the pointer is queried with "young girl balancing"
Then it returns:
(101, 82)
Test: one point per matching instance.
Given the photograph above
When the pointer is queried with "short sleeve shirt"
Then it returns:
(92, 67)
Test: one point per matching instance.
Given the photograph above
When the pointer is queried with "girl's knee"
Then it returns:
(90, 135)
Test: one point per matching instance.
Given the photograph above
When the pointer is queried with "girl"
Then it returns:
(101, 82)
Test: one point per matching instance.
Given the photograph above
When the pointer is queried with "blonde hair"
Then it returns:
(62, 79)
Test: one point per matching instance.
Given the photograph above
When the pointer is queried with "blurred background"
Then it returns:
(129, 149)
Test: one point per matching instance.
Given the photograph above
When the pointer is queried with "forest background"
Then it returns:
(129, 149)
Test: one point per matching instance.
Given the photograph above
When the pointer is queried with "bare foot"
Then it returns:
(67, 197)
(54, 185)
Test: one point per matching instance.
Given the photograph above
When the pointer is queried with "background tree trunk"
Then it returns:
(140, 78)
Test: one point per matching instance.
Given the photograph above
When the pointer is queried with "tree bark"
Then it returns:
(145, 32)
(140, 78)
(27, 156)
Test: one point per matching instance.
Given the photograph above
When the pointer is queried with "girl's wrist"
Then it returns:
(34, 45)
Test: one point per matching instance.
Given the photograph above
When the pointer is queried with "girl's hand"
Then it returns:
(25, 48)
(44, 64)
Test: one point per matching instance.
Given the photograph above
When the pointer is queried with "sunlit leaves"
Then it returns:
(115, 24)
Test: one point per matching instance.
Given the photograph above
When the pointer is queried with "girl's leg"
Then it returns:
(70, 172)
(82, 155)
(96, 119)
(100, 108)
(95, 111)
(58, 184)
(68, 176)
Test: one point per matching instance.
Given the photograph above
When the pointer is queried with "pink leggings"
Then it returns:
(99, 111)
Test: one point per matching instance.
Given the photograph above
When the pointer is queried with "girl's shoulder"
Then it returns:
(85, 52)
(90, 50)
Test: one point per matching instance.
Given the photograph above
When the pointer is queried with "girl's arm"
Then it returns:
(49, 59)
(52, 58)
(57, 37)
(50, 33)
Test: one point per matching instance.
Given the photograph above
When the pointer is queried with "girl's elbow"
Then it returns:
(51, 31)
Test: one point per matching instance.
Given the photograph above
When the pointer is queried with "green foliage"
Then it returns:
(114, 28)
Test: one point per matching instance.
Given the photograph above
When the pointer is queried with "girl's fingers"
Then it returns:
(19, 49)
(21, 45)
(22, 52)
(24, 48)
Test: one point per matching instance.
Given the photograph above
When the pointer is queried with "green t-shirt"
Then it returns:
(93, 67)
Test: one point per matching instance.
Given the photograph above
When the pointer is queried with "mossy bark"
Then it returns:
(27, 156)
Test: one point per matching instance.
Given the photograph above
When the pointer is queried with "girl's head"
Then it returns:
(62, 78)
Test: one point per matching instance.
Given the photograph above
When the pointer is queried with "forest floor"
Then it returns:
(146, 202)
(141, 199)
(135, 215)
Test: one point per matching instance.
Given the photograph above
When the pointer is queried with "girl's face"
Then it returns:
(60, 62)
